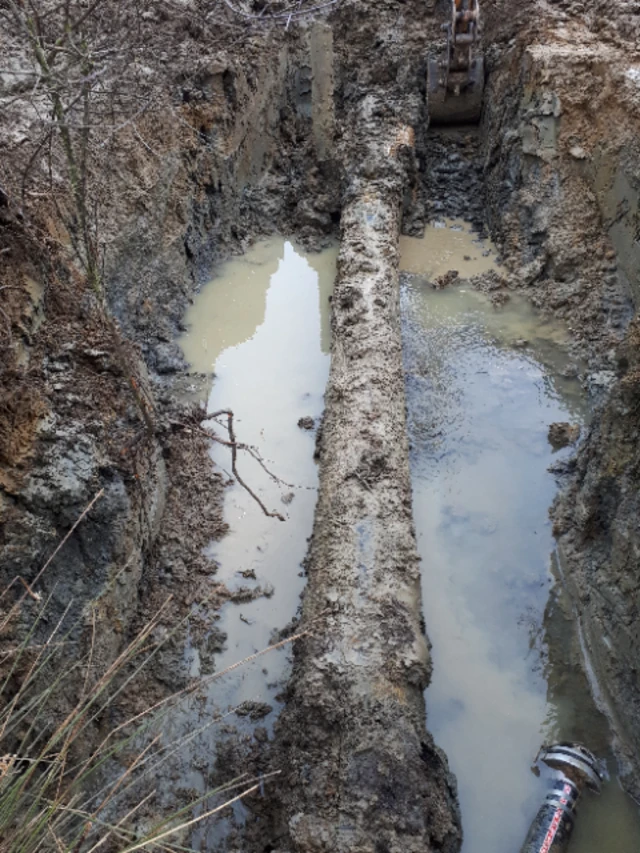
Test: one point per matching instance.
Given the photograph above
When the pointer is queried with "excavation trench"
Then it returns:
(483, 375)
(484, 378)
(484, 382)
(399, 531)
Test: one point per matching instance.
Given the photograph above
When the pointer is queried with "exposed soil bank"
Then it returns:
(562, 123)
(196, 188)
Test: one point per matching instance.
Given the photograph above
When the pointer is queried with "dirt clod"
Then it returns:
(442, 281)
(563, 434)
(307, 423)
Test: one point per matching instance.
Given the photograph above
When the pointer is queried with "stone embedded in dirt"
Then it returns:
(563, 434)
(499, 298)
(306, 423)
(445, 280)
(520, 343)
(96, 353)
(578, 153)
(286, 499)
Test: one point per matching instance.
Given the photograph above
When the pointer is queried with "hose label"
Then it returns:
(555, 821)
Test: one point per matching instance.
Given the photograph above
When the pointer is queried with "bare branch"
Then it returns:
(294, 13)
(234, 446)
(234, 454)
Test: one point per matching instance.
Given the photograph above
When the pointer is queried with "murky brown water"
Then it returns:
(244, 302)
(262, 324)
(447, 245)
(505, 678)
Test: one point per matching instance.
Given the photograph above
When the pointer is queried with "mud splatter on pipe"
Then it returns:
(573, 768)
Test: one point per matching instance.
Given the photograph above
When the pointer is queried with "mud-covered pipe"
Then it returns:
(362, 773)
(572, 769)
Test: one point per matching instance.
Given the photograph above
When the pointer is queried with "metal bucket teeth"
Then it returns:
(455, 98)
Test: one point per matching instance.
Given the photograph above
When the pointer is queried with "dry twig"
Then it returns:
(295, 12)
(234, 445)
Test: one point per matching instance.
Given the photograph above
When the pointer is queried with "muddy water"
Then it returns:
(483, 385)
(262, 325)
(447, 245)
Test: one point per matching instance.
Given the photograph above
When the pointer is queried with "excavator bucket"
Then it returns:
(457, 100)
(455, 80)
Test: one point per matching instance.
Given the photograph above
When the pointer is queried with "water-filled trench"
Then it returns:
(483, 383)
(262, 325)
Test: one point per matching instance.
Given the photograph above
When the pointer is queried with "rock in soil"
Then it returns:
(563, 434)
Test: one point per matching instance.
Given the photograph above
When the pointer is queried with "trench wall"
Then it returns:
(562, 164)
(204, 185)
